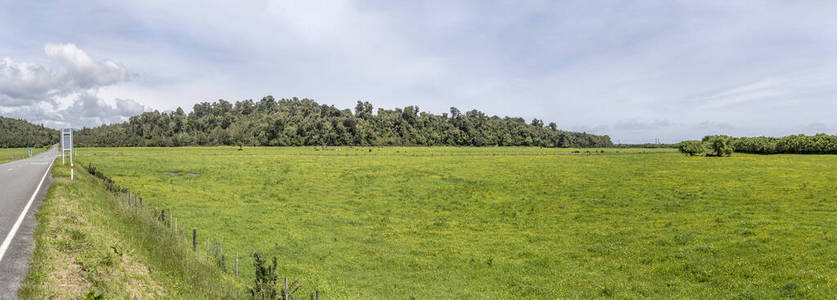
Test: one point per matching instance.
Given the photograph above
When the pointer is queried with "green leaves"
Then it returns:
(793, 144)
(21, 134)
(691, 148)
(718, 146)
(304, 122)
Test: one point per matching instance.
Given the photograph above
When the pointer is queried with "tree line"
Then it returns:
(16, 133)
(304, 122)
(721, 145)
(793, 144)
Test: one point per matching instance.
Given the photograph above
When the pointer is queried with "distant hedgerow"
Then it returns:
(793, 144)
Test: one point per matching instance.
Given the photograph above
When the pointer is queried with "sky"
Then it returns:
(638, 71)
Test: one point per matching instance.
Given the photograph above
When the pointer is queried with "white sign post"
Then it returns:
(67, 145)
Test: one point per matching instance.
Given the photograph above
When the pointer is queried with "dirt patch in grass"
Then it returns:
(138, 272)
(62, 180)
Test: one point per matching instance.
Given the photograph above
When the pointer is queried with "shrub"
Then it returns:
(266, 285)
(719, 145)
(267, 282)
(691, 148)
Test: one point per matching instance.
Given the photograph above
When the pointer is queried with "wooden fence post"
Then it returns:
(285, 291)
(194, 239)
(236, 266)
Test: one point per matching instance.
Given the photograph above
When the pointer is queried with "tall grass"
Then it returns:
(106, 222)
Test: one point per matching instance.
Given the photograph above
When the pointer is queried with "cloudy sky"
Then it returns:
(637, 71)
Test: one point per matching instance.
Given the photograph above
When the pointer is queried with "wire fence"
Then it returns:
(203, 244)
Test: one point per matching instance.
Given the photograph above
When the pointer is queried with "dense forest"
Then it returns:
(16, 133)
(793, 144)
(302, 122)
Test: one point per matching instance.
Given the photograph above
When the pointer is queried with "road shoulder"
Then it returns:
(16, 260)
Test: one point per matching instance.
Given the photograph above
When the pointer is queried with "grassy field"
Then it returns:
(10, 154)
(506, 222)
(91, 244)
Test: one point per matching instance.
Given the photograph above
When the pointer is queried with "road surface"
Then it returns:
(23, 184)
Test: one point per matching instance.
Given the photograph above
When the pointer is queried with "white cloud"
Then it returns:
(85, 110)
(84, 72)
(90, 110)
(24, 83)
(64, 94)
(606, 67)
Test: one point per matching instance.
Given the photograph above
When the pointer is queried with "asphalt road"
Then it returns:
(23, 184)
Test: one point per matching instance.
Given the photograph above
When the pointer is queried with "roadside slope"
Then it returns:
(89, 243)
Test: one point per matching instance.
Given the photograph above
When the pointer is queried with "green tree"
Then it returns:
(691, 148)
(719, 145)
(298, 122)
(16, 133)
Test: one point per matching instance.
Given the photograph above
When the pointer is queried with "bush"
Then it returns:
(267, 284)
(691, 148)
(719, 145)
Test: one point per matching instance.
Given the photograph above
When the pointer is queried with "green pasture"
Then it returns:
(10, 154)
(477, 223)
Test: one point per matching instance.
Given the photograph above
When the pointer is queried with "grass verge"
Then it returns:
(10, 154)
(90, 243)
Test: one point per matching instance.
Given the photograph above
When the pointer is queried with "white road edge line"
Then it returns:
(13, 232)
